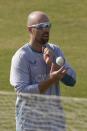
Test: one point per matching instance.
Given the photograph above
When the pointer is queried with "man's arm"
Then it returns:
(20, 77)
(69, 78)
(54, 77)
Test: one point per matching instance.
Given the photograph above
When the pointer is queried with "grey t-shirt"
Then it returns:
(28, 69)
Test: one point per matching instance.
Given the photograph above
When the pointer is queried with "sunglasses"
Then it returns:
(41, 25)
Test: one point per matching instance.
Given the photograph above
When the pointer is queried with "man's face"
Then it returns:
(41, 32)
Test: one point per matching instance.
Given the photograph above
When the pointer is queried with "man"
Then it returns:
(33, 66)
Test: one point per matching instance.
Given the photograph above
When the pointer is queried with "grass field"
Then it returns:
(75, 112)
(69, 30)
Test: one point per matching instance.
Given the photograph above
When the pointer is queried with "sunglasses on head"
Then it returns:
(41, 25)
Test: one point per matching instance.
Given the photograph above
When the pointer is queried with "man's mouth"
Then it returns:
(46, 35)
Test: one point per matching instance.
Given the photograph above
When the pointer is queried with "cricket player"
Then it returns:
(33, 66)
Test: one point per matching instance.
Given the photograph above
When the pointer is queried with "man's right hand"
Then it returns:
(53, 78)
(57, 74)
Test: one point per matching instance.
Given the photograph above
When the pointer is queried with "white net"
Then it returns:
(7, 111)
(43, 113)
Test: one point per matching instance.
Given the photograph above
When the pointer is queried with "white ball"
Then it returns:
(60, 61)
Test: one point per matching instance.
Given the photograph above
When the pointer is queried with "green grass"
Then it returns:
(69, 30)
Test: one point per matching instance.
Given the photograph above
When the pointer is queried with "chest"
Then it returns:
(38, 68)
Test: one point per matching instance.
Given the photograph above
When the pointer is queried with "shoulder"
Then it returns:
(53, 46)
(21, 53)
(56, 48)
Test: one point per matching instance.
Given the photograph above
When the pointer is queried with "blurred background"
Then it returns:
(69, 31)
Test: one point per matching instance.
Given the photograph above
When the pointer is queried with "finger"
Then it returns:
(61, 69)
(64, 71)
(45, 50)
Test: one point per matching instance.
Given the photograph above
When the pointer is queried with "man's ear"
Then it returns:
(29, 29)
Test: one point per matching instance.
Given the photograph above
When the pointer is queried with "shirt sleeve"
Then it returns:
(20, 75)
(70, 78)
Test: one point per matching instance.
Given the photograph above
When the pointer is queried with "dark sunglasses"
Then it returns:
(41, 25)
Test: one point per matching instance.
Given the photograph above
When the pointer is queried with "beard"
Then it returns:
(44, 38)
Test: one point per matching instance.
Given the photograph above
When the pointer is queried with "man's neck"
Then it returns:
(36, 46)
